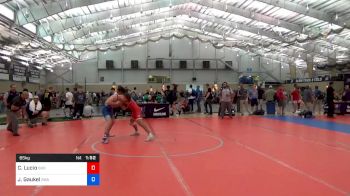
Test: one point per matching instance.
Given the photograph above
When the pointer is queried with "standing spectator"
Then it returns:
(46, 101)
(199, 95)
(69, 102)
(2, 104)
(270, 94)
(89, 98)
(345, 100)
(296, 99)
(24, 111)
(226, 98)
(98, 99)
(243, 100)
(309, 98)
(261, 97)
(173, 94)
(253, 97)
(319, 98)
(14, 106)
(79, 101)
(8, 97)
(281, 100)
(134, 95)
(191, 97)
(208, 101)
(270, 101)
(330, 100)
(112, 92)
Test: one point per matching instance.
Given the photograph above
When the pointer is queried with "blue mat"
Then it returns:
(331, 126)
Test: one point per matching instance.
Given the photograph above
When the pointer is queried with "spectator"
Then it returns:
(69, 102)
(88, 110)
(226, 98)
(199, 95)
(330, 100)
(309, 98)
(319, 98)
(2, 104)
(253, 97)
(182, 103)
(46, 100)
(345, 100)
(15, 105)
(191, 97)
(296, 99)
(112, 92)
(261, 97)
(208, 101)
(243, 99)
(8, 97)
(79, 101)
(134, 95)
(34, 110)
(270, 94)
(281, 100)
(173, 95)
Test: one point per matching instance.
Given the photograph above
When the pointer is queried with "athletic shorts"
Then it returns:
(254, 102)
(135, 110)
(107, 112)
(296, 101)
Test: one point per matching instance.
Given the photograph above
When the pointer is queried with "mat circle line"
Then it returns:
(219, 145)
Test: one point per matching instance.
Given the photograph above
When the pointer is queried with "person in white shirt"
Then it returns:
(34, 110)
(88, 110)
(69, 102)
(191, 98)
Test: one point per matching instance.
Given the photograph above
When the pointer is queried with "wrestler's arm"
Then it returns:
(113, 101)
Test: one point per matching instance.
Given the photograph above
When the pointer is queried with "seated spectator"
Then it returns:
(35, 110)
(88, 110)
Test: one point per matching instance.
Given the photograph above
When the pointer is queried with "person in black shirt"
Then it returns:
(15, 106)
(330, 100)
(46, 100)
(208, 101)
(79, 102)
(261, 95)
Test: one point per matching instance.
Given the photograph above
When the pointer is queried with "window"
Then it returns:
(7, 12)
(31, 27)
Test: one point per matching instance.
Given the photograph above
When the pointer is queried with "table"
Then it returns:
(155, 110)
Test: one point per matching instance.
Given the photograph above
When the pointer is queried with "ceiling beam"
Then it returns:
(59, 6)
(302, 9)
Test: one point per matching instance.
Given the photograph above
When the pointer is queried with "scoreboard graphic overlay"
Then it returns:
(57, 170)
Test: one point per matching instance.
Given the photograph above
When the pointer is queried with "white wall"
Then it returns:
(176, 49)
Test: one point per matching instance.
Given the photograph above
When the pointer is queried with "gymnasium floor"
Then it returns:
(246, 155)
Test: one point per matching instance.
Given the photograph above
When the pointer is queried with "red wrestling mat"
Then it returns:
(195, 156)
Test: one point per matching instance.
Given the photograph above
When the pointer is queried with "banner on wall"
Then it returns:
(33, 75)
(19, 73)
(308, 80)
(4, 71)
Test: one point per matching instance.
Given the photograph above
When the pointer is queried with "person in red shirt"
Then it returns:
(296, 99)
(281, 100)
